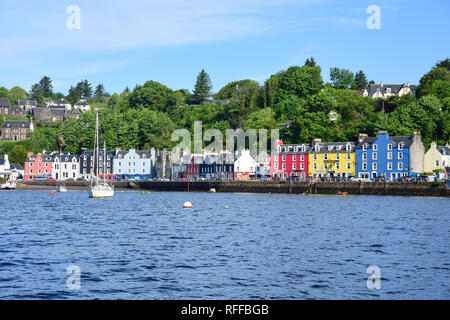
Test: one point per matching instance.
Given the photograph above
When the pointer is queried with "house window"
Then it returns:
(325, 166)
(389, 166)
(374, 166)
(302, 158)
(337, 165)
(315, 166)
(400, 146)
(337, 156)
(349, 165)
(284, 158)
(325, 156)
(374, 147)
(348, 147)
(389, 146)
(294, 166)
(348, 156)
(302, 166)
(437, 163)
(400, 155)
(276, 166)
(400, 166)
(364, 156)
(294, 158)
(389, 155)
(364, 147)
(374, 156)
(364, 166)
(315, 156)
(284, 166)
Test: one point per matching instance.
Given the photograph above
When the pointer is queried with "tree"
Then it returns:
(36, 94)
(99, 91)
(427, 80)
(300, 81)
(4, 93)
(203, 88)
(18, 155)
(341, 78)
(46, 86)
(443, 64)
(310, 62)
(360, 82)
(86, 89)
(17, 93)
(152, 95)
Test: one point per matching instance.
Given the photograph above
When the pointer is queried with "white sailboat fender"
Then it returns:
(187, 205)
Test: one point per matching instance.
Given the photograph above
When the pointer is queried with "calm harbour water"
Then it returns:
(263, 246)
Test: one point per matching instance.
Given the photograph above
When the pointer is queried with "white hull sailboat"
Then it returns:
(99, 188)
(61, 188)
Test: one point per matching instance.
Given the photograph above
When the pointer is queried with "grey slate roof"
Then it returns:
(2, 161)
(444, 150)
(407, 141)
(395, 88)
(24, 102)
(333, 147)
(16, 124)
(4, 102)
(66, 157)
(290, 148)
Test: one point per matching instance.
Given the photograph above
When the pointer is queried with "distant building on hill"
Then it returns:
(16, 130)
(388, 90)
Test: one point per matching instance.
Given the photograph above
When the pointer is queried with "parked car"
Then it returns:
(360, 179)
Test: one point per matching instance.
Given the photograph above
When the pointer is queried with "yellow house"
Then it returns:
(436, 157)
(331, 159)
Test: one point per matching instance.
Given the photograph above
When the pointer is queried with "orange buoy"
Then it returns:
(52, 193)
(187, 205)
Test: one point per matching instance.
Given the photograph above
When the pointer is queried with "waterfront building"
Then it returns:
(87, 166)
(331, 159)
(16, 130)
(390, 157)
(66, 166)
(162, 164)
(38, 166)
(193, 167)
(134, 165)
(437, 157)
(245, 166)
(208, 167)
(4, 166)
(225, 166)
(290, 161)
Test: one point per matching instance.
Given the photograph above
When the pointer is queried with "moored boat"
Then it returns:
(8, 185)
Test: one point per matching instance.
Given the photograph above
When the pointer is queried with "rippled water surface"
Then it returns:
(145, 246)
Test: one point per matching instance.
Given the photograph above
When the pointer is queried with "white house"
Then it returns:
(387, 90)
(66, 166)
(437, 157)
(82, 105)
(245, 166)
(4, 166)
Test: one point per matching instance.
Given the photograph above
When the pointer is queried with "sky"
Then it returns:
(125, 43)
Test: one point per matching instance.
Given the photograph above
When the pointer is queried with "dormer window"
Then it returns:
(364, 147)
(348, 147)
(389, 146)
(400, 146)
(388, 90)
(303, 148)
(374, 147)
(317, 148)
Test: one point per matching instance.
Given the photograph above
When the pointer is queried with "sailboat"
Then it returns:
(99, 188)
(60, 187)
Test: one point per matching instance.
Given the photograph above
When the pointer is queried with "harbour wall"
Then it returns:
(352, 188)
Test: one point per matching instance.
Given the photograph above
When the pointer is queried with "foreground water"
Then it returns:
(262, 246)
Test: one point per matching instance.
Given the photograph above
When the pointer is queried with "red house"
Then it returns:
(290, 160)
(39, 165)
(193, 168)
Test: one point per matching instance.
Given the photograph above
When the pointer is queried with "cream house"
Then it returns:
(437, 157)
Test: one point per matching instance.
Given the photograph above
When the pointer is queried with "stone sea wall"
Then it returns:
(352, 188)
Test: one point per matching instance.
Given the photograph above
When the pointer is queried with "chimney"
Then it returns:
(316, 141)
(29, 154)
(362, 136)
(433, 145)
(382, 132)
(381, 84)
(416, 136)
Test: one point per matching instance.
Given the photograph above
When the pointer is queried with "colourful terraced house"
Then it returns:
(331, 159)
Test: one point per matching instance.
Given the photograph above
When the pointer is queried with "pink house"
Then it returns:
(289, 161)
(39, 165)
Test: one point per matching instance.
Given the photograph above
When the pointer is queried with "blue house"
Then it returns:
(389, 157)
(134, 165)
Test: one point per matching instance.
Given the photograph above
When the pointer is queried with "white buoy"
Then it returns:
(187, 205)
(226, 207)
(212, 190)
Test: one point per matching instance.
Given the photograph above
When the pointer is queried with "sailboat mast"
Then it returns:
(104, 159)
(96, 142)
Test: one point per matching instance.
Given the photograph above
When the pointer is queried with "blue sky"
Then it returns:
(124, 43)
